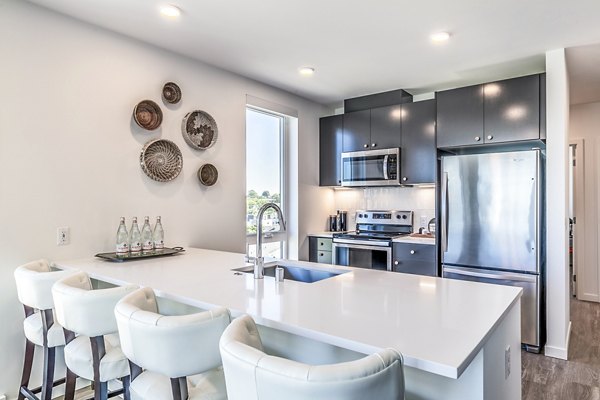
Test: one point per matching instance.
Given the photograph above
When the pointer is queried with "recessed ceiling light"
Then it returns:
(307, 71)
(440, 37)
(170, 11)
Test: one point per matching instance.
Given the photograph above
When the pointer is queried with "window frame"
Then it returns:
(278, 236)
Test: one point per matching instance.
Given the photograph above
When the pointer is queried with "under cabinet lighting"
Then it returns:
(440, 37)
(170, 11)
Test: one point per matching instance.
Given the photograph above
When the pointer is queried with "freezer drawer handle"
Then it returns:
(498, 275)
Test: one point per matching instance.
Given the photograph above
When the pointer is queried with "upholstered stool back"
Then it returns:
(34, 284)
(250, 374)
(85, 311)
(174, 346)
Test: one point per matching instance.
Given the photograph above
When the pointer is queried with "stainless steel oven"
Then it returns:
(363, 254)
(371, 168)
(370, 246)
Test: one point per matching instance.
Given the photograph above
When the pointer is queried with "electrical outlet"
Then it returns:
(62, 236)
(424, 221)
(507, 362)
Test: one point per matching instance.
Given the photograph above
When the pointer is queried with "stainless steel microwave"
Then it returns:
(371, 168)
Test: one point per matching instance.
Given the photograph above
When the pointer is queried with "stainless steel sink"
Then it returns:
(294, 273)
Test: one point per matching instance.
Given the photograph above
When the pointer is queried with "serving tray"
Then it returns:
(167, 251)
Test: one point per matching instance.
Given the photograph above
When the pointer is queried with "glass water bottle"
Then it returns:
(158, 237)
(135, 238)
(122, 238)
(147, 243)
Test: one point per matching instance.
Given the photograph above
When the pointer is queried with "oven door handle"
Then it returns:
(360, 244)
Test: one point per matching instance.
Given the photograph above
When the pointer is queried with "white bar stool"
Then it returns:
(93, 354)
(171, 348)
(250, 374)
(34, 283)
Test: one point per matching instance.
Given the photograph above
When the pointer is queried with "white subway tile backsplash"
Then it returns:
(419, 200)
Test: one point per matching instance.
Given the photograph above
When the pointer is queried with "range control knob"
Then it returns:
(398, 216)
(360, 215)
(404, 216)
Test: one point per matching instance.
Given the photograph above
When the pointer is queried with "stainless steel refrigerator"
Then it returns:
(493, 228)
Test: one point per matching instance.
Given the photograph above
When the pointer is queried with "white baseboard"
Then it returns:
(559, 352)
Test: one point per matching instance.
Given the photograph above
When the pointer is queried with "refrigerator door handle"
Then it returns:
(444, 213)
(495, 275)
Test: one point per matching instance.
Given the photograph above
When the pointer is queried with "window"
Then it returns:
(265, 149)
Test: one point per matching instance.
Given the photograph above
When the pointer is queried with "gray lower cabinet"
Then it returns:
(418, 259)
(319, 250)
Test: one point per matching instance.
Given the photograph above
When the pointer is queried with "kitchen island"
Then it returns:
(460, 340)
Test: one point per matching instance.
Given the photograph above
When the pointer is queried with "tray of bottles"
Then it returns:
(117, 257)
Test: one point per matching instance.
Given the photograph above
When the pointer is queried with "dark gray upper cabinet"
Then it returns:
(331, 130)
(418, 158)
(498, 112)
(512, 109)
(357, 131)
(460, 117)
(385, 127)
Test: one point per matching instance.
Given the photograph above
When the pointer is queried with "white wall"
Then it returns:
(585, 125)
(557, 271)
(69, 150)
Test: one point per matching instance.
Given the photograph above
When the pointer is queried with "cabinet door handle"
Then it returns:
(321, 254)
(490, 137)
(365, 146)
(373, 144)
(477, 138)
(322, 244)
(404, 179)
(396, 263)
(412, 252)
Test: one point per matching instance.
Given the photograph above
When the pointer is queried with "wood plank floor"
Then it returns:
(546, 378)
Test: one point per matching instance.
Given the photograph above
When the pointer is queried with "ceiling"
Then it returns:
(583, 63)
(357, 47)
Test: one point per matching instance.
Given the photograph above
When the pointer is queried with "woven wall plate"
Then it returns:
(199, 130)
(161, 160)
(171, 93)
(148, 115)
(208, 174)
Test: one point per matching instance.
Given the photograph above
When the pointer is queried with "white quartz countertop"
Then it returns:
(325, 234)
(415, 240)
(439, 325)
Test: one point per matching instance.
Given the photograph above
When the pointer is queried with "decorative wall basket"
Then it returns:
(148, 115)
(199, 130)
(161, 160)
(171, 93)
(208, 174)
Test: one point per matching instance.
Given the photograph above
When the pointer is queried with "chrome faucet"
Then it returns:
(259, 261)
